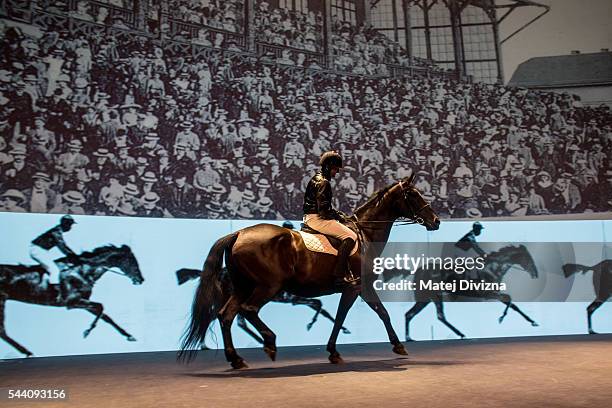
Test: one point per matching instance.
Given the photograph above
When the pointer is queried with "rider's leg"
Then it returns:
(45, 259)
(348, 237)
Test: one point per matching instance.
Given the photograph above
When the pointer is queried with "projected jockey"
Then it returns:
(40, 251)
(320, 216)
(467, 242)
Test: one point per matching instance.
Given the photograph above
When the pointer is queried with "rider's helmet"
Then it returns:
(331, 158)
(288, 224)
(67, 221)
(477, 225)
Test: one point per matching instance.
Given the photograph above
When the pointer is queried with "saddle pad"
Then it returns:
(320, 243)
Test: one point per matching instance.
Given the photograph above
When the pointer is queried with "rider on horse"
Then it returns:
(40, 252)
(468, 241)
(322, 217)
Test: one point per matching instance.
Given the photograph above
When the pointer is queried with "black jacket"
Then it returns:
(318, 198)
(53, 238)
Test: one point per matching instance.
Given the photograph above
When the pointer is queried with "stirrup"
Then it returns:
(352, 279)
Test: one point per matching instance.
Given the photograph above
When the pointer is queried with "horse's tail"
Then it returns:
(183, 275)
(207, 300)
(570, 269)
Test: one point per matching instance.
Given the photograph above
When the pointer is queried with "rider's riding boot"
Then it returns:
(342, 271)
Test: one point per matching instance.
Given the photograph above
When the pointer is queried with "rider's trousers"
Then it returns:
(46, 260)
(331, 227)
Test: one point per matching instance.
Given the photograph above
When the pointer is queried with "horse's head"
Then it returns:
(125, 260)
(411, 204)
(518, 255)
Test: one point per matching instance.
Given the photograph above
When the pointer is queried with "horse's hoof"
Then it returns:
(462, 337)
(408, 339)
(346, 331)
(308, 326)
(86, 333)
(335, 358)
(400, 349)
(239, 364)
(592, 331)
(131, 338)
(271, 352)
(534, 324)
(28, 354)
(500, 320)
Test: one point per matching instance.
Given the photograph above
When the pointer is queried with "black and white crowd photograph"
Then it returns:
(298, 203)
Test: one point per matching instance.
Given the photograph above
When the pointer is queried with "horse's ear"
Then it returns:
(411, 178)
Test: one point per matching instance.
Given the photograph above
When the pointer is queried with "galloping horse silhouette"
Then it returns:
(266, 259)
(496, 265)
(22, 283)
(183, 275)
(602, 284)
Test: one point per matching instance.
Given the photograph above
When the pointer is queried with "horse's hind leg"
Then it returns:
(409, 315)
(590, 310)
(3, 334)
(243, 325)
(442, 318)
(250, 309)
(227, 315)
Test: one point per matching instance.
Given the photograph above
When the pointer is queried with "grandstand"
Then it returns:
(221, 109)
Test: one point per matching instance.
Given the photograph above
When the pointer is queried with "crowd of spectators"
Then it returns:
(363, 50)
(289, 28)
(225, 15)
(118, 126)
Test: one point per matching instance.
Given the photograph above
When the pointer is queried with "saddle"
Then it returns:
(318, 242)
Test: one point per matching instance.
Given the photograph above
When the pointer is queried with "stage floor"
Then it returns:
(534, 372)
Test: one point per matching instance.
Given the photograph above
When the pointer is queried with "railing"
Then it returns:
(176, 27)
(277, 50)
(66, 16)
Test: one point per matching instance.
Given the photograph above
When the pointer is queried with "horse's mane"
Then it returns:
(505, 250)
(97, 251)
(376, 197)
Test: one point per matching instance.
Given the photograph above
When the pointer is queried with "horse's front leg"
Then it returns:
(374, 302)
(97, 309)
(347, 299)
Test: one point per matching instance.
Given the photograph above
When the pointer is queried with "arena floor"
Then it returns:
(568, 371)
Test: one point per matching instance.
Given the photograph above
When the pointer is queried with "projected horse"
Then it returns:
(264, 260)
(22, 283)
(497, 265)
(184, 275)
(602, 284)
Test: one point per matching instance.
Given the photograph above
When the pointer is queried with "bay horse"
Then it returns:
(22, 283)
(185, 274)
(602, 284)
(497, 265)
(266, 259)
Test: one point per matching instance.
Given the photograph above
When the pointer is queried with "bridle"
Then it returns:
(415, 218)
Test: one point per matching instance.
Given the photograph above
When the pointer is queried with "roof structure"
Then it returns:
(564, 71)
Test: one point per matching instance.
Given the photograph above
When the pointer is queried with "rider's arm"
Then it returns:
(324, 201)
(61, 244)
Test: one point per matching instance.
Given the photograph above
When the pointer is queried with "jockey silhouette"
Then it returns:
(320, 216)
(468, 241)
(40, 251)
